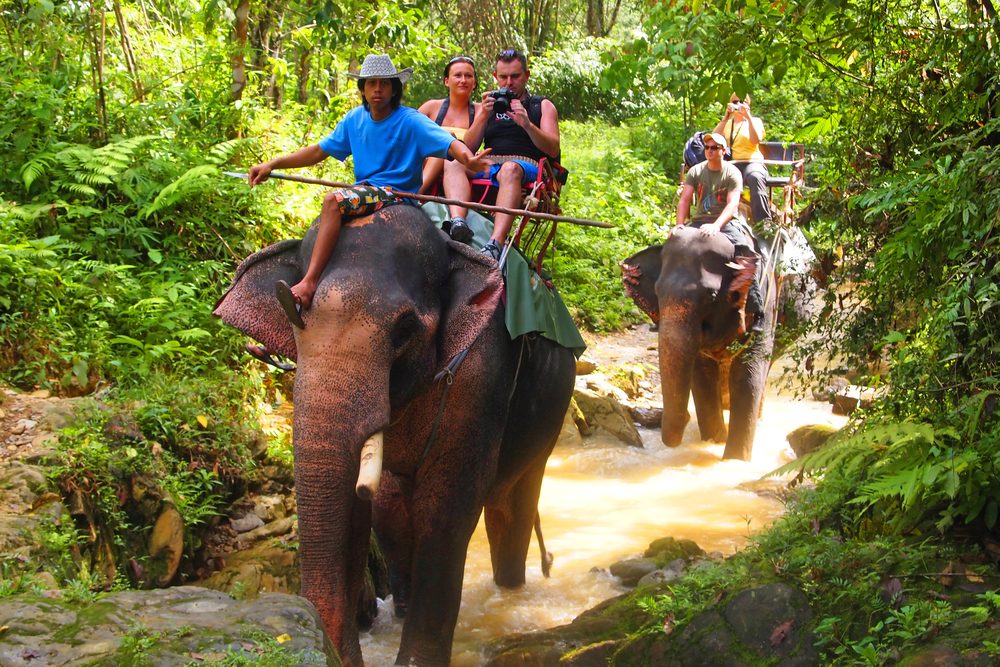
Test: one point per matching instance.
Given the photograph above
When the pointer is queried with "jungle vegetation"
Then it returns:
(118, 231)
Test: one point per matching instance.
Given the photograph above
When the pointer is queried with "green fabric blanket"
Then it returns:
(531, 305)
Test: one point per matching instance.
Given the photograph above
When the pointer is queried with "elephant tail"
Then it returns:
(547, 557)
(250, 305)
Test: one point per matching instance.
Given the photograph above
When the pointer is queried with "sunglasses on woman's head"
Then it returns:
(462, 59)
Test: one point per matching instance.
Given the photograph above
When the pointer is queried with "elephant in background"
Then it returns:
(695, 287)
(398, 301)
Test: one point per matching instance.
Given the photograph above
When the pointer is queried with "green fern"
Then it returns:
(193, 181)
(36, 167)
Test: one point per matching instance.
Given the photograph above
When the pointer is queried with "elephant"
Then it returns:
(695, 286)
(408, 382)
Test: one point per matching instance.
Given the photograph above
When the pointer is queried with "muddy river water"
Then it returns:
(604, 501)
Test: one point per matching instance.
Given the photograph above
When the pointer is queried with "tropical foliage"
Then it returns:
(118, 230)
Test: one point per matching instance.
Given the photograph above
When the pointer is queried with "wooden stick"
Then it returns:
(439, 200)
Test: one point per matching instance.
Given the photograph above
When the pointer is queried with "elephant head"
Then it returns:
(696, 287)
(396, 302)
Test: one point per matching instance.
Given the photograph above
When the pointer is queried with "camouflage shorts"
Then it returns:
(360, 200)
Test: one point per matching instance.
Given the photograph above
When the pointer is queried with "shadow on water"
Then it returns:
(602, 502)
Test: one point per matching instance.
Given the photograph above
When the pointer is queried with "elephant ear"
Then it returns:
(639, 275)
(250, 305)
(744, 268)
(475, 287)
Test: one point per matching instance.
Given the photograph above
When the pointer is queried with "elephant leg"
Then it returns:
(706, 388)
(747, 382)
(450, 489)
(445, 515)
(393, 519)
(509, 525)
(544, 388)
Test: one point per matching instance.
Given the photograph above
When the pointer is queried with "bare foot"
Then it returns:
(303, 292)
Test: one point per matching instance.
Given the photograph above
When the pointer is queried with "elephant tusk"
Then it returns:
(371, 468)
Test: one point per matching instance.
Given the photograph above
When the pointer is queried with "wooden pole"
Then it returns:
(439, 200)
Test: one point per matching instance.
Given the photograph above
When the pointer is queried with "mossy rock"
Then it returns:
(807, 439)
(162, 627)
(668, 549)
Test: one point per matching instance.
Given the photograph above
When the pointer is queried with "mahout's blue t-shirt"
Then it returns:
(389, 152)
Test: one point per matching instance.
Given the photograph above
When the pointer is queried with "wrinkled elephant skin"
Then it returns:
(396, 302)
(696, 289)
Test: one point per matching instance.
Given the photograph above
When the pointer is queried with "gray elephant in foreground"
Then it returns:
(398, 301)
(695, 287)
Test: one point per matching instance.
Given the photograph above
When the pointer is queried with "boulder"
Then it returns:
(628, 379)
(647, 416)
(759, 626)
(604, 413)
(853, 397)
(268, 567)
(807, 439)
(169, 627)
(570, 435)
(631, 570)
(825, 391)
(668, 549)
(269, 508)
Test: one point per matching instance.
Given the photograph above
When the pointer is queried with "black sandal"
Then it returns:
(287, 300)
(260, 353)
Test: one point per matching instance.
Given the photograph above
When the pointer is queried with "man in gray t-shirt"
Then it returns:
(718, 185)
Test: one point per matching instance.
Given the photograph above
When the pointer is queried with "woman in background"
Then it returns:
(744, 132)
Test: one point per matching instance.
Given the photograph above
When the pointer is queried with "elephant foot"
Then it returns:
(671, 440)
(288, 304)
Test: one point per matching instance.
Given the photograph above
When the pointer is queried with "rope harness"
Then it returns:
(448, 375)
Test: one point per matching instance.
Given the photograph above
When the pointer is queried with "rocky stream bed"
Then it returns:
(241, 601)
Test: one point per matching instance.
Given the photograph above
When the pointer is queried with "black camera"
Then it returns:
(503, 98)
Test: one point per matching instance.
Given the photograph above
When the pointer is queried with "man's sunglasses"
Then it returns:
(508, 54)
(713, 147)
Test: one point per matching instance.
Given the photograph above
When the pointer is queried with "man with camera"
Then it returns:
(520, 129)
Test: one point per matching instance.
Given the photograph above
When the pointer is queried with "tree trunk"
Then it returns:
(128, 53)
(303, 72)
(96, 26)
(599, 25)
(238, 59)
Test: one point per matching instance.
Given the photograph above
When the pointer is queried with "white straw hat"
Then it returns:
(379, 66)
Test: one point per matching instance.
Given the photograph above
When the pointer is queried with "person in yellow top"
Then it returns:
(455, 114)
(744, 132)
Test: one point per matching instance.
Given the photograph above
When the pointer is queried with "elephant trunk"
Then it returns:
(678, 347)
(370, 471)
(335, 414)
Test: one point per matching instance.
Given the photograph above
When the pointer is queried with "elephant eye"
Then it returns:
(406, 327)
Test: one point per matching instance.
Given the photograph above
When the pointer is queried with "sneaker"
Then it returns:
(460, 230)
(492, 249)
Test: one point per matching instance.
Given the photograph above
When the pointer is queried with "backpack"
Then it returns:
(694, 150)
